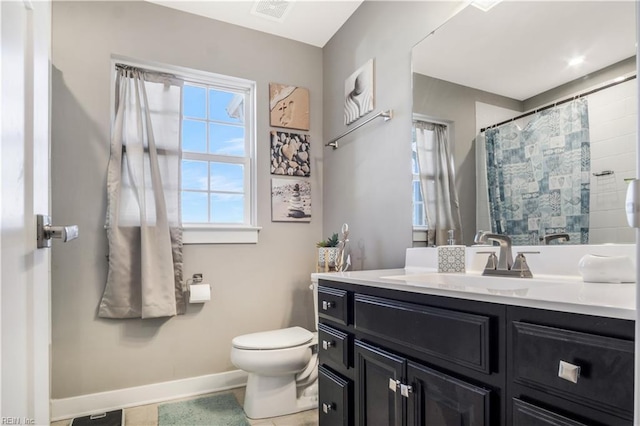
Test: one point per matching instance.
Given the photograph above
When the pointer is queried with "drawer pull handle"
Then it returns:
(326, 345)
(569, 372)
(393, 384)
(405, 390)
(326, 305)
(328, 407)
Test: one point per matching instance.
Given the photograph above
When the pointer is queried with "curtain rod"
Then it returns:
(572, 98)
(134, 68)
(388, 115)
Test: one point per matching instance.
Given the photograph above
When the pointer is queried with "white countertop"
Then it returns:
(558, 293)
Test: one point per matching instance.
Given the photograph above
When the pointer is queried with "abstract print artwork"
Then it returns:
(538, 176)
(289, 106)
(290, 200)
(290, 154)
(358, 93)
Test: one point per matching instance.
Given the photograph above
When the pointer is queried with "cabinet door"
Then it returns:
(439, 399)
(378, 401)
(334, 399)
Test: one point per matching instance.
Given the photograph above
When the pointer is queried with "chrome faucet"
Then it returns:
(505, 258)
(563, 236)
(504, 266)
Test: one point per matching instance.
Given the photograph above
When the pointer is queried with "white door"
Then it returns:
(25, 337)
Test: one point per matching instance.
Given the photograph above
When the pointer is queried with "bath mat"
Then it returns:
(214, 410)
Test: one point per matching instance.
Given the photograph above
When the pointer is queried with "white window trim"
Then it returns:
(203, 234)
(213, 234)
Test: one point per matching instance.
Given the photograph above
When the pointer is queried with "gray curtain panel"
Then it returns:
(437, 182)
(143, 193)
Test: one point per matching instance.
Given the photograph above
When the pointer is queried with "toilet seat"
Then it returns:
(274, 339)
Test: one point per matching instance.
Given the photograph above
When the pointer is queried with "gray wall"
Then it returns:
(367, 181)
(576, 86)
(255, 287)
(456, 104)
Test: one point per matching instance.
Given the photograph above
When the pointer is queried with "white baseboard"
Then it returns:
(67, 408)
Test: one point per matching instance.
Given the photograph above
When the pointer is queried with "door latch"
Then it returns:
(45, 231)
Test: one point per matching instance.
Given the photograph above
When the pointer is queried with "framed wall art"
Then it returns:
(290, 154)
(290, 200)
(289, 106)
(359, 93)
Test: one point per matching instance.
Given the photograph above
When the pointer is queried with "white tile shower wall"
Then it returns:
(612, 130)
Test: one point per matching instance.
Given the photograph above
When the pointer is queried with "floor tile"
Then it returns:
(147, 415)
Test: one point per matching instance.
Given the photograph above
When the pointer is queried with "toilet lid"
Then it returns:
(274, 339)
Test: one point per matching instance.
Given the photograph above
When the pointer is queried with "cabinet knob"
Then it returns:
(326, 305)
(393, 384)
(568, 371)
(327, 344)
(405, 390)
(326, 407)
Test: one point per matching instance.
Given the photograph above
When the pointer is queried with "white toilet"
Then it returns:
(283, 369)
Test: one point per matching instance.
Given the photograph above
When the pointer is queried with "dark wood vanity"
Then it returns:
(391, 357)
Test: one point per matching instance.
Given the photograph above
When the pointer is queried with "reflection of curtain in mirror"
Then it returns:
(538, 176)
(437, 181)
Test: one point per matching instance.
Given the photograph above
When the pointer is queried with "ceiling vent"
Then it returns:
(274, 10)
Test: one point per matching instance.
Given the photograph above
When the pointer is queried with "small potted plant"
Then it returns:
(328, 252)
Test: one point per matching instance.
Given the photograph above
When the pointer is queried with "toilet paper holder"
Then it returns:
(198, 292)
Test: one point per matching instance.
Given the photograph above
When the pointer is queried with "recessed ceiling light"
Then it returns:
(574, 62)
(485, 5)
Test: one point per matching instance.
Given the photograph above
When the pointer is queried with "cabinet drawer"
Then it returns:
(334, 403)
(525, 414)
(333, 304)
(334, 345)
(606, 366)
(457, 337)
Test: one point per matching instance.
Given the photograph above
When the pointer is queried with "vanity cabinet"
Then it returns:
(393, 357)
(412, 359)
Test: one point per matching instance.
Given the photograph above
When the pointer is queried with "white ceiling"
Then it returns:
(522, 48)
(309, 21)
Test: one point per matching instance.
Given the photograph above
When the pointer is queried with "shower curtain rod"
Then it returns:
(572, 98)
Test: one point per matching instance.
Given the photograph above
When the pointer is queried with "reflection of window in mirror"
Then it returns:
(424, 127)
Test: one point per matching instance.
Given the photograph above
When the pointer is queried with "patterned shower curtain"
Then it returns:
(538, 176)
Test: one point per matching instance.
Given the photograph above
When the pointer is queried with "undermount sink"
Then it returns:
(471, 280)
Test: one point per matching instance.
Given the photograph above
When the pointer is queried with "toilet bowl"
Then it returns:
(282, 367)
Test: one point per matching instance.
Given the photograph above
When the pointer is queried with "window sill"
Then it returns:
(220, 235)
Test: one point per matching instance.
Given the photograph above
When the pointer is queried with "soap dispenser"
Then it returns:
(451, 258)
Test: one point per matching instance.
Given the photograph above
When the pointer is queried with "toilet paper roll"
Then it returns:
(199, 293)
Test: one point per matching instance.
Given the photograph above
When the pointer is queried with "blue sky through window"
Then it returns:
(195, 101)
(212, 191)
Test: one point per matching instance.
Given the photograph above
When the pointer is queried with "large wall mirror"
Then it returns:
(537, 102)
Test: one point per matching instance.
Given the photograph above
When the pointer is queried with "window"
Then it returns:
(419, 214)
(217, 161)
(217, 176)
